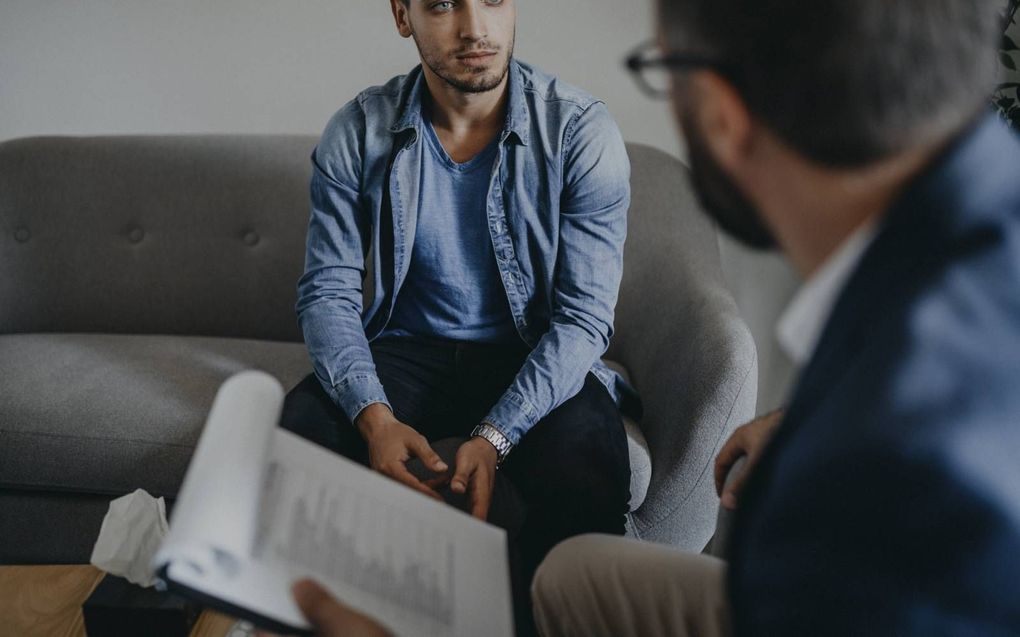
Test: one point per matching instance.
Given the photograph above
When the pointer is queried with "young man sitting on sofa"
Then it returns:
(856, 137)
(490, 200)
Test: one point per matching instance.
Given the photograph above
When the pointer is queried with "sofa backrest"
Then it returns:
(198, 235)
(205, 235)
(671, 262)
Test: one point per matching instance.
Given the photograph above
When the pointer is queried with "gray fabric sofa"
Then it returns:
(137, 273)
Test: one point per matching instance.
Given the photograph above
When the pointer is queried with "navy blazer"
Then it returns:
(889, 500)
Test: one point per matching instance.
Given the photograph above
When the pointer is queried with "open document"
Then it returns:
(261, 508)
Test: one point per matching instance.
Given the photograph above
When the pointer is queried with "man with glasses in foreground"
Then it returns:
(886, 501)
(853, 135)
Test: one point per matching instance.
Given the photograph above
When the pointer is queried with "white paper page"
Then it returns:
(217, 506)
(418, 566)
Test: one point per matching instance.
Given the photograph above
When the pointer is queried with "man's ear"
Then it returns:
(723, 118)
(401, 15)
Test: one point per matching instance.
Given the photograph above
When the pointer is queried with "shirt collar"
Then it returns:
(518, 118)
(800, 326)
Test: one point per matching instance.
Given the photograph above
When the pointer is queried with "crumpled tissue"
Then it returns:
(132, 532)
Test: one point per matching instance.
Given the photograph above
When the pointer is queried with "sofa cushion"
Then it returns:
(107, 414)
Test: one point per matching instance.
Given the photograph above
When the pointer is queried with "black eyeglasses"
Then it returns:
(653, 70)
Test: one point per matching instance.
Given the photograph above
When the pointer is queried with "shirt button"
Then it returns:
(21, 235)
(135, 235)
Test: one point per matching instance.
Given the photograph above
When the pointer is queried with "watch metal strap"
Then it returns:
(496, 438)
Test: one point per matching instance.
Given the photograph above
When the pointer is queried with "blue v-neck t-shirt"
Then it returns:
(453, 288)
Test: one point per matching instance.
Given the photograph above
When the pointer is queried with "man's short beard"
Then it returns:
(481, 84)
(720, 196)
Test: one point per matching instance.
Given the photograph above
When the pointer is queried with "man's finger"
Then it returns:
(732, 490)
(731, 451)
(329, 617)
(428, 455)
(462, 478)
(400, 473)
(481, 495)
(729, 495)
(319, 606)
(438, 482)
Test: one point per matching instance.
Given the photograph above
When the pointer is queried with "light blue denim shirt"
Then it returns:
(557, 205)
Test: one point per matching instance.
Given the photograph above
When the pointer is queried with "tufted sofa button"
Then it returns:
(251, 238)
(136, 234)
(21, 235)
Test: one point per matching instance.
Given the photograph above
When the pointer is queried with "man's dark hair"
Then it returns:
(847, 82)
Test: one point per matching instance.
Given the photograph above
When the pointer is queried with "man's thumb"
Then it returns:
(311, 598)
(329, 617)
(314, 601)
(460, 480)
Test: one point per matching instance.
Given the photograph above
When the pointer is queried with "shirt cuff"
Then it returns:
(354, 393)
(513, 416)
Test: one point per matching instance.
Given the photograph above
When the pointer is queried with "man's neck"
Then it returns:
(814, 210)
(466, 114)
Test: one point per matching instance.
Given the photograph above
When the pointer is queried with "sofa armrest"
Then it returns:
(690, 355)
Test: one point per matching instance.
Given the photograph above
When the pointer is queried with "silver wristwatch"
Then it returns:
(496, 438)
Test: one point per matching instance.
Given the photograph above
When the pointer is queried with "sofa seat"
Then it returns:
(106, 414)
(90, 417)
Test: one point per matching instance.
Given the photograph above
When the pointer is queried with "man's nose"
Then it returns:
(472, 25)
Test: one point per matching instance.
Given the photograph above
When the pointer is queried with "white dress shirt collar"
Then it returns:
(801, 325)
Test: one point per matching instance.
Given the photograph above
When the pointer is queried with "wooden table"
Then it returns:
(46, 601)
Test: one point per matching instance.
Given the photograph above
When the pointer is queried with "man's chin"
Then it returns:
(475, 82)
(479, 78)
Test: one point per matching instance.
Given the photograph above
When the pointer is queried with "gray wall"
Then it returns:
(284, 66)
(253, 66)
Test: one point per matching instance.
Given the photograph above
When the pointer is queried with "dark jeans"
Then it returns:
(572, 470)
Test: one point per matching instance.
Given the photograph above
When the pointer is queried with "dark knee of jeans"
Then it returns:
(601, 488)
(584, 456)
(592, 450)
(586, 476)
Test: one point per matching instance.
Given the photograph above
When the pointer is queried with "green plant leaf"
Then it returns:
(1008, 44)
(1007, 61)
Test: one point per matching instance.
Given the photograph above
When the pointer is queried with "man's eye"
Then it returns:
(442, 6)
(493, 1)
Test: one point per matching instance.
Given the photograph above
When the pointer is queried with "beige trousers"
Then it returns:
(596, 585)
